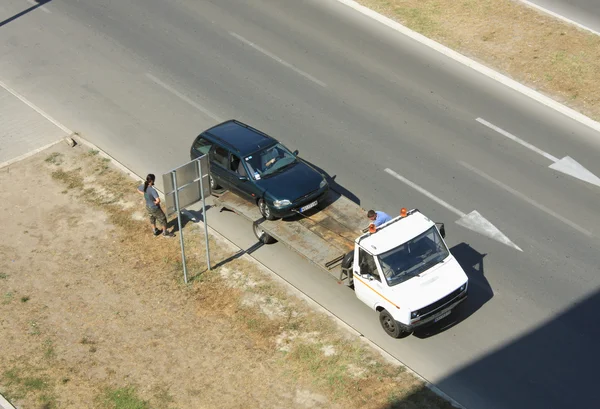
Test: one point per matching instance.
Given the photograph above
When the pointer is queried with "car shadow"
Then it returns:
(480, 291)
(334, 185)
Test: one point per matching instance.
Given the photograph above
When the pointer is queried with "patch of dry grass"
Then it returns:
(260, 314)
(553, 57)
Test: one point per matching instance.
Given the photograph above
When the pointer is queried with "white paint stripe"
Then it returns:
(183, 97)
(36, 109)
(558, 16)
(28, 154)
(527, 199)
(33, 2)
(488, 72)
(425, 192)
(517, 139)
(279, 60)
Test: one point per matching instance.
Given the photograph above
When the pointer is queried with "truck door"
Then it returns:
(367, 281)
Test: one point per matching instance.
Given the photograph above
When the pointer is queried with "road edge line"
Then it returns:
(482, 69)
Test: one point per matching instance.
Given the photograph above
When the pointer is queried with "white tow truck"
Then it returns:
(402, 269)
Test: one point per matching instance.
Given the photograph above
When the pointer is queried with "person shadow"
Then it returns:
(480, 291)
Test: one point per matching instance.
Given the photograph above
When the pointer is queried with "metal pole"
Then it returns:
(204, 214)
(176, 192)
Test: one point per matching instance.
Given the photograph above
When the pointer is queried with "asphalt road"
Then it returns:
(141, 78)
(584, 12)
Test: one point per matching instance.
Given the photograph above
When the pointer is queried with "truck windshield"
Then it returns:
(269, 161)
(413, 257)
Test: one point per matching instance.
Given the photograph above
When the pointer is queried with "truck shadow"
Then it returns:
(480, 291)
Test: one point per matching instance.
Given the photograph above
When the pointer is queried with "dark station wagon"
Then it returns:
(258, 168)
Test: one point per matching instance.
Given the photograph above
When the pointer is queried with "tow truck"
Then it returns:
(402, 269)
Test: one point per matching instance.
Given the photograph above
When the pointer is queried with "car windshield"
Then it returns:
(269, 161)
(413, 257)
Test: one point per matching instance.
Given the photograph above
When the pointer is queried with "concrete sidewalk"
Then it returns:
(23, 130)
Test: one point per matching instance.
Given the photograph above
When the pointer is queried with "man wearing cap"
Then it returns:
(378, 217)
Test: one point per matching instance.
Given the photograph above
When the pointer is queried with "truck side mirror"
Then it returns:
(442, 229)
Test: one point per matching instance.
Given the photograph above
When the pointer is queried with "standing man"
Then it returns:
(153, 206)
(378, 217)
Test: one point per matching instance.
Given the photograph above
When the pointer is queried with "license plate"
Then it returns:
(308, 206)
(444, 315)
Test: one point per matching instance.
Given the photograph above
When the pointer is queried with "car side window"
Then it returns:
(367, 265)
(220, 156)
(236, 165)
(202, 145)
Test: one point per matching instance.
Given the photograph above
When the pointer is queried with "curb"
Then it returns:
(296, 291)
(4, 404)
(482, 69)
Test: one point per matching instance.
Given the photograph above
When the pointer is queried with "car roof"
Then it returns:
(240, 138)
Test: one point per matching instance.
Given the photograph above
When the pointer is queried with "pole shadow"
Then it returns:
(40, 3)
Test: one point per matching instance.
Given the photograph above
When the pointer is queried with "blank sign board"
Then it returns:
(187, 178)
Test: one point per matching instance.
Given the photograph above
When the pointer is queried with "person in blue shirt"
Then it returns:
(378, 217)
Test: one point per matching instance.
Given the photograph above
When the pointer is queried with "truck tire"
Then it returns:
(262, 235)
(348, 260)
(389, 324)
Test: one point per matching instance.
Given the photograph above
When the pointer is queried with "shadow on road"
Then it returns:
(480, 291)
(40, 3)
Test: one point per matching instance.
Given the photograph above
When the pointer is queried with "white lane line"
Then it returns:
(558, 16)
(183, 97)
(35, 108)
(527, 199)
(425, 192)
(279, 60)
(35, 3)
(517, 139)
(26, 155)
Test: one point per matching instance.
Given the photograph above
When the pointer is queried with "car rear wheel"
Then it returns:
(389, 324)
(265, 210)
(213, 183)
(262, 235)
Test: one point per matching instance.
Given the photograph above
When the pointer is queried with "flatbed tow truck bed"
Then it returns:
(322, 235)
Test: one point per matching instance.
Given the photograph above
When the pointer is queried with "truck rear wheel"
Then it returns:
(262, 235)
(389, 324)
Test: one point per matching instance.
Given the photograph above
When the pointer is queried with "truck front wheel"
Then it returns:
(389, 324)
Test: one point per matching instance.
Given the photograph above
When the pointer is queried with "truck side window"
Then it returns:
(202, 145)
(367, 265)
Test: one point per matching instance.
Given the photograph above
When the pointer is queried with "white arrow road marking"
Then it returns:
(279, 60)
(527, 199)
(566, 165)
(472, 221)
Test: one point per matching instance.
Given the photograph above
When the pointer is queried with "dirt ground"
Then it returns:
(94, 312)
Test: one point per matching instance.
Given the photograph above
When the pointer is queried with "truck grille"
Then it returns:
(432, 307)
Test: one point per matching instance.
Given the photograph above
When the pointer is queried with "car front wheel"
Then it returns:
(265, 210)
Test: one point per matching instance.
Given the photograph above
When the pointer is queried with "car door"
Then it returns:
(219, 163)
(238, 179)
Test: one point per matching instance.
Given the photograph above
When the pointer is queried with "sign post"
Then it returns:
(185, 186)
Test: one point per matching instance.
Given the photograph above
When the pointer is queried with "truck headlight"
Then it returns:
(463, 287)
(414, 314)
(281, 203)
(322, 184)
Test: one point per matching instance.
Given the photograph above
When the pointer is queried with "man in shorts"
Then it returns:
(153, 206)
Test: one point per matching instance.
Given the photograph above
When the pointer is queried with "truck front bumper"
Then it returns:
(441, 313)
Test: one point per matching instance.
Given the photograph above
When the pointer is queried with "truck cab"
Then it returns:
(404, 270)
